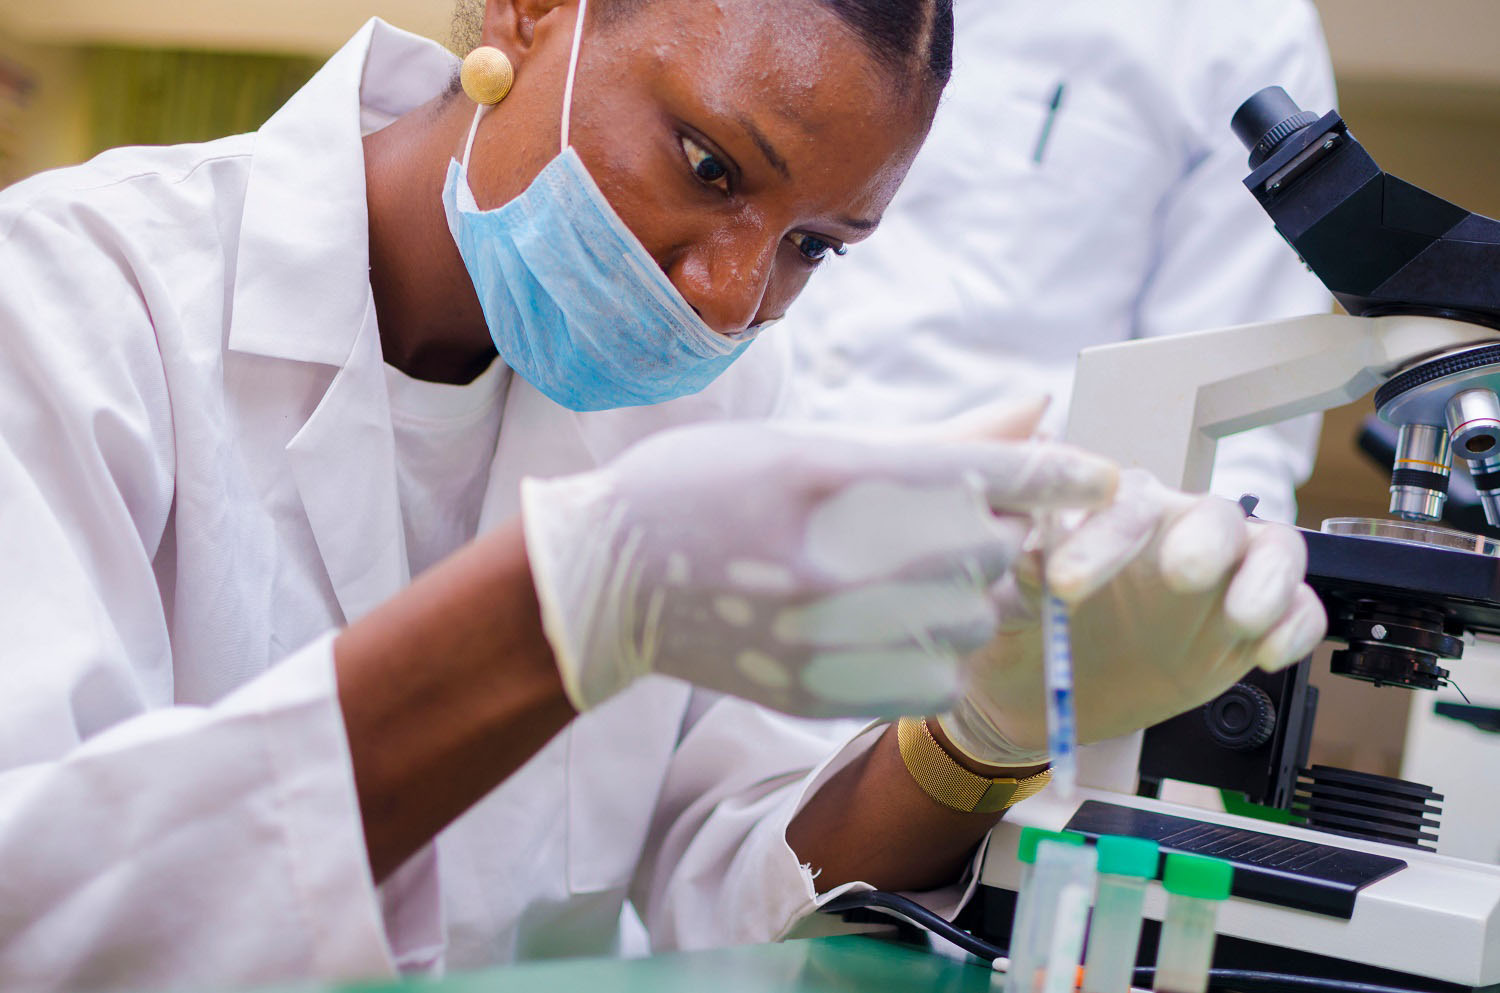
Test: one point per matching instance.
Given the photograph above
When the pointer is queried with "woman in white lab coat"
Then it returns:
(250, 391)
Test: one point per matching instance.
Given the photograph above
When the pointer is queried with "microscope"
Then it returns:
(1351, 888)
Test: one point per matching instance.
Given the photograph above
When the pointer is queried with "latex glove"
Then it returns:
(1173, 599)
(820, 571)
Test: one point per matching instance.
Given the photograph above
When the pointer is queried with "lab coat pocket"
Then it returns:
(1084, 202)
(618, 757)
(979, 144)
(1088, 144)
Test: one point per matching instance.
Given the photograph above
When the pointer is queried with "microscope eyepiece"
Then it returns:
(1267, 120)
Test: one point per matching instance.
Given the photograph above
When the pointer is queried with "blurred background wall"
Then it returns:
(78, 76)
(1419, 83)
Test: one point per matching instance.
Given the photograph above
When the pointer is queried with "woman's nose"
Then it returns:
(726, 282)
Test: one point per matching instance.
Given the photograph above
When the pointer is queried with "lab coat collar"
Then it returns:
(302, 274)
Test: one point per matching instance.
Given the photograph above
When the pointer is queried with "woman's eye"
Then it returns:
(705, 165)
(815, 249)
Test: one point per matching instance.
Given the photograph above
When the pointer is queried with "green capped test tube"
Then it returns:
(1026, 855)
(1126, 867)
(1196, 886)
(1052, 909)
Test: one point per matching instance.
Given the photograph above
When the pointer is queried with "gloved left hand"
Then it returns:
(820, 571)
(1173, 598)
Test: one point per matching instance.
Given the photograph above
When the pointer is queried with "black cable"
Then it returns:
(1245, 980)
(919, 915)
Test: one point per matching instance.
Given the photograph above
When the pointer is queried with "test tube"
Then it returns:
(1046, 941)
(1126, 866)
(1031, 837)
(1195, 886)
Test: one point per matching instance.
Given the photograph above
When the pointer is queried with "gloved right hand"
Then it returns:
(819, 571)
(1173, 598)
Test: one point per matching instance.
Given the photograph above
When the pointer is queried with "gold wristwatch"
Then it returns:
(951, 784)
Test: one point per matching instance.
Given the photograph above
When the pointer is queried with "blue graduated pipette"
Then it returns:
(1057, 661)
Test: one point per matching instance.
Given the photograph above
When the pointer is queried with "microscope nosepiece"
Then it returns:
(1419, 480)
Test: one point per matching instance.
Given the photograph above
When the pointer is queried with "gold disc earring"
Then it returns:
(486, 75)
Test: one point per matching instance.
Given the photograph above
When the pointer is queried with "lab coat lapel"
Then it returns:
(302, 294)
(344, 463)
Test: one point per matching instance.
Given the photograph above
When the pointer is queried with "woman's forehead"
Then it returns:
(795, 60)
(786, 88)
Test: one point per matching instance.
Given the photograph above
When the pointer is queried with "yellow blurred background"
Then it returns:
(1419, 84)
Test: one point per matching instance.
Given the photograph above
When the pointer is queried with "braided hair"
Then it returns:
(916, 35)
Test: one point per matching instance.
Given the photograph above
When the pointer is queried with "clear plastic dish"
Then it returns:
(1411, 533)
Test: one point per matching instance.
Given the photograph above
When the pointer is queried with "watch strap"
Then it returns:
(951, 784)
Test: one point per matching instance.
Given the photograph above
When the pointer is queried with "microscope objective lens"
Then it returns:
(1419, 478)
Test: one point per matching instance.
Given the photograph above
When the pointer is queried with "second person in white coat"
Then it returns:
(1080, 187)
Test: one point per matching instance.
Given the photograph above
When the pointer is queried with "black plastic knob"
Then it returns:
(1241, 718)
(1266, 120)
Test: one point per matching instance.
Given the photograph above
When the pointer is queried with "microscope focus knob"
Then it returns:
(1242, 718)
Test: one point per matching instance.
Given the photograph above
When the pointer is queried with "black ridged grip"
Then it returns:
(1486, 481)
(1436, 481)
(1476, 358)
(1278, 134)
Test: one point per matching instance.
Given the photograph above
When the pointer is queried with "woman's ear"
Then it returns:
(509, 25)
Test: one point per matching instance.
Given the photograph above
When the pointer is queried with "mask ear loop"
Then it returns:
(463, 165)
(583, 6)
(482, 109)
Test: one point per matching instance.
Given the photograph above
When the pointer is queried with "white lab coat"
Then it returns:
(197, 487)
(990, 270)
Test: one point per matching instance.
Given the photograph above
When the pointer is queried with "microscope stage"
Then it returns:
(1464, 585)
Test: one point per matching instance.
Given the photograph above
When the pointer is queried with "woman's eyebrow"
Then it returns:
(764, 144)
(779, 164)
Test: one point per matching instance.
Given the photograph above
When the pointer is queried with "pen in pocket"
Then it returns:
(1046, 133)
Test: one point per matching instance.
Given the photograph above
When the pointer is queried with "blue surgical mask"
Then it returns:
(574, 302)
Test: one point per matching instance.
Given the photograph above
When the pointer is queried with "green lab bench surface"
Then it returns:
(851, 963)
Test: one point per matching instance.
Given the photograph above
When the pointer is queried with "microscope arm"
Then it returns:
(1163, 403)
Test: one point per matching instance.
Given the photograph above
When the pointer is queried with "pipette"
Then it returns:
(1057, 661)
